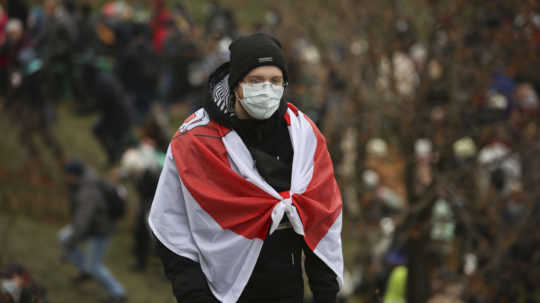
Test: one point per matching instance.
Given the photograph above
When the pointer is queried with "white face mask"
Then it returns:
(261, 100)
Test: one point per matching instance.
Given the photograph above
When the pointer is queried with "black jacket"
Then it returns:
(277, 276)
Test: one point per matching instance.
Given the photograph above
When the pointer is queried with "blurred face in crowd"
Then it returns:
(50, 7)
(259, 75)
(14, 30)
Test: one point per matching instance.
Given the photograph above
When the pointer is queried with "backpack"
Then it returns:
(116, 197)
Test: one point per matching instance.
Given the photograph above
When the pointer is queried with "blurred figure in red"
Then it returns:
(159, 23)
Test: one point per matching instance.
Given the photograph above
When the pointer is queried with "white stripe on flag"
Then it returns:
(329, 249)
(227, 259)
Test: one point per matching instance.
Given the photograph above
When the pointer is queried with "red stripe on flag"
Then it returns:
(287, 118)
(320, 205)
(233, 202)
(293, 108)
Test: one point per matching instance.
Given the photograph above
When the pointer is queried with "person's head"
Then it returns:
(14, 29)
(70, 6)
(73, 171)
(13, 279)
(258, 75)
(50, 8)
(14, 270)
(395, 258)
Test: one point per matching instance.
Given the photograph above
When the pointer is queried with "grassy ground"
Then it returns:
(33, 209)
(34, 244)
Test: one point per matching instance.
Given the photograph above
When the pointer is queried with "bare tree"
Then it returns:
(425, 69)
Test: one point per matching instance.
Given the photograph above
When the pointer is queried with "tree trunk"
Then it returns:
(418, 263)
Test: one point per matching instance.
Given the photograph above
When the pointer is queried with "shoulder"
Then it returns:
(198, 132)
(200, 123)
(198, 118)
(291, 110)
(294, 112)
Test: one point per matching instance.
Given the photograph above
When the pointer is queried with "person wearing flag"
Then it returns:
(247, 194)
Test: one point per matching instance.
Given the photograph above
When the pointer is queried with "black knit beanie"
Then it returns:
(252, 51)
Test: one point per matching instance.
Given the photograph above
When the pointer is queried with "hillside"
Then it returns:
(34, 245)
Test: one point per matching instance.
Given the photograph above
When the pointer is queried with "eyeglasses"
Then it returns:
(278, 81)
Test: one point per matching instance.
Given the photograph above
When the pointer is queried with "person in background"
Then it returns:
(55, 46)
(180, 55)
(142, 165)
(91, 224)
(18, 286)
(138, 69)
(220, 21)
(114, 129)
(396, 285)
(18, 9)
(29, 108)
(4, 74)
(237, 178)
(160, 24)
(25, 104)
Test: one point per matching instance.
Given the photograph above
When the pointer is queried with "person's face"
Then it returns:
(266, 73)
(14, 35)
(14, 31)
(50, 7)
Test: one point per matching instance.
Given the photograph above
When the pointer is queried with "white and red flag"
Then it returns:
(212, 205)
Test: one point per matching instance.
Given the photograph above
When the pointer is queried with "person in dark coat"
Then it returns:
(142, 164)
(25, 102)
(114, 129)
(55, 45)
(138, 69)
(91, 224)
(246, 96)
(220, 20)
(180, 53)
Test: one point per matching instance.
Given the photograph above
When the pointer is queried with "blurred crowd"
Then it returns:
(130, 65)
(120, 62)
(474, 164)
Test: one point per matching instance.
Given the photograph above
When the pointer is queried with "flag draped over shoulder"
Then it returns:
(212, 205)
